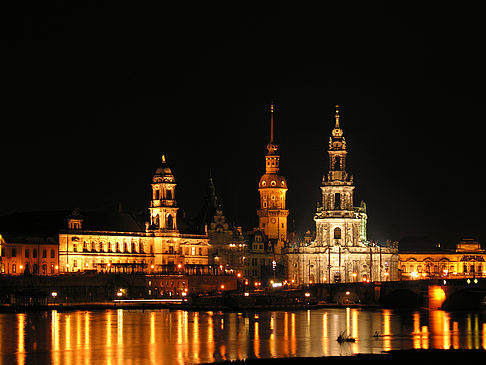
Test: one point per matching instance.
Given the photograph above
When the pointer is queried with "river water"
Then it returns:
(181, 337)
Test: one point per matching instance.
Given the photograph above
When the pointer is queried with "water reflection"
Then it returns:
(162, 336)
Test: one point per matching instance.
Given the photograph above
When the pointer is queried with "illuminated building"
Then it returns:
(156, 246)
(341, 251)
(59, 242)
(272, 187)
(35, 254)
(227, 244)
(265, 244)
(468, 260)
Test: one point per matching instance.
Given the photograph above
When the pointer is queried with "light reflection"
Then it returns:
(256, 339)
(386, 330)
(55, 337)
(116, 336)
(21, 338)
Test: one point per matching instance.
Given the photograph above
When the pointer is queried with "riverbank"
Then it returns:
(417, 356)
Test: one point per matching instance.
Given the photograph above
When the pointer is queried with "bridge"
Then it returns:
(447, 294)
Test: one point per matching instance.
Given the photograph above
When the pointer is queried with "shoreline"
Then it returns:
(103, 305)
(418, 355)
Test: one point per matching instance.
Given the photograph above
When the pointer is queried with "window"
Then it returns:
(171, 249)
(75, 247)
(168, 194)
(337, 233)
(3, 251)
(170, 222)
(27, 253)
(337, 201)
(200, 251)
(193, 251)
(156, 194)
(44, 253)
(14, 268)
(14, 252)
(75, 263)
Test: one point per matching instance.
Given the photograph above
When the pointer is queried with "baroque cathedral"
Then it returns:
(341, 251)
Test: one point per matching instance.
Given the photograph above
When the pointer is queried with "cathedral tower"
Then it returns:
(163, 207)
(337, 222)
(337, 187)
(273, 188)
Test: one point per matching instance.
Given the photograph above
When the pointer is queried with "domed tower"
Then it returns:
(273, 188)
(163, 207)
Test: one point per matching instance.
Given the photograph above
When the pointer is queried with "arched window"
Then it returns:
(337, 233)
(168, 194)
(170, 222)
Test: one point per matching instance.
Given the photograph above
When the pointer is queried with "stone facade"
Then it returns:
(124, 244)
(340, 251)
(468, 260)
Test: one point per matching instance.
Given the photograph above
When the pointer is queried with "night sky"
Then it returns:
(93, 95)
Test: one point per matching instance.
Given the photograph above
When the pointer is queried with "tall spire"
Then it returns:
(271, 123)
(337, 117)
(271, 147)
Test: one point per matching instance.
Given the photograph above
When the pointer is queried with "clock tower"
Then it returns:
(272, 187)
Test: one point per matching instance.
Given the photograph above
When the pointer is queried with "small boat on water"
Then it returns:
(345, 338)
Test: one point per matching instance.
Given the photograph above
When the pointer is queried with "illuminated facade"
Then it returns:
(37, 255)
(227, 249)
(154, 247)
(468, 260)
(340, 251)
(272, 187)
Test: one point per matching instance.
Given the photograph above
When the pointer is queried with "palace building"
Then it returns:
(48, 243)
(156, 246)
(341, 251)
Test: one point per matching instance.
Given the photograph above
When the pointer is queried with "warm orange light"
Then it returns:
(238, 275)
(179, 266)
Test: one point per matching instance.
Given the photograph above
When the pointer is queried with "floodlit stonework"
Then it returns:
(157, 247)
(341, 251)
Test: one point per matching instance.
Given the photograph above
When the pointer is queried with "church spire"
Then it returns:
(337, 117)
(271, 147)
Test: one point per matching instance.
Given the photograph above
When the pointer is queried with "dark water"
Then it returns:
(180, 337)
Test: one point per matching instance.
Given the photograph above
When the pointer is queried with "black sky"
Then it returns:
(93, 94)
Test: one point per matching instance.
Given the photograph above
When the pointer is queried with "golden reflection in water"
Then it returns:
(109, 352)
(243, 336)
(210, 336)
(425, 337)
(455, 335)
(286, 334)
(21, 338)
(195, 336)
(354, 329)
(114, 336)
(484, 335)
(386, 330)
(325, 336)
(119, 326)
(256, 340)
(293, 337)
(271, 340)
(55, 337)
(416, 331)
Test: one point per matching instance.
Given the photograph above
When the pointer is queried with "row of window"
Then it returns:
(27, 253)
(471, 268)
(110, 247)
(14, 269)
